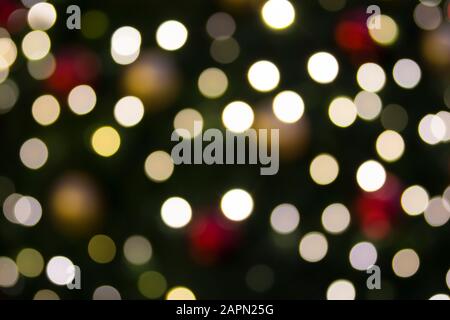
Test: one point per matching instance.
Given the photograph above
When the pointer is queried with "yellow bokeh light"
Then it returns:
(368, 105)
(36, 45)
(152, 284)
(82, 99)
(341, 290)
(313, 247)
(336, 218)
(46, 294)
(212, 83)
(137, 250)
(34, 153)
(387, 33)
(405, 263)
(414, 200)
(30, 262)
(102, 249)
(188, 123)
(9, 273)
(45, 110)
(180, 293)
(159, 166)
(324, 169)
(8, 53)
(106, 141)
(342, 112)
(95, 23)
(390, 146)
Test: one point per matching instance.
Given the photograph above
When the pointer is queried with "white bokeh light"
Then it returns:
(171, 35)
(137, 250)
(437, 212)
(288, 106)
(414, 200)
(371, 77)
(284, 218)
(432, 129)
(188, 123)
(126, 41)
(405, 263)
(363, 255)
(278, 14)
(324, 169)
(41, 16)
(371, 176)
(60, 270)
(126, 45)
(313, 247)
(129, 111)
(36, 45)
(106, 293)
(27, 211)
(82, 99)
(238, 116)
(390, 146)
(407, 73)
(176, 212)
(9, 273)
(34, 153)
(447, 279)
(368, 105)
(323, 67)
(341, 290)
(336, 218)
(440, 296)
(46, 110)
(342, 112)
(237, 205)
(263, 76)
